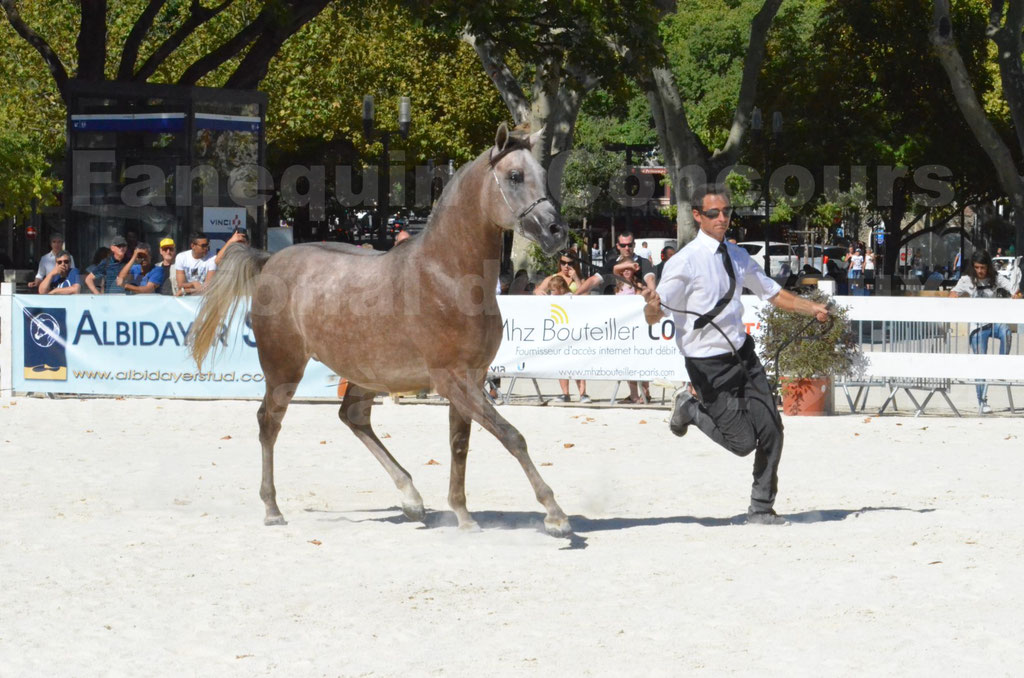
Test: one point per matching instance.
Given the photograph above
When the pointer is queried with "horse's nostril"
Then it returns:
(555, 229)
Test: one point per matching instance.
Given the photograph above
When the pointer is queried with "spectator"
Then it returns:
(107, 270)
(195, 267)
(504, 283)
(139, 275)
(567, 281)
(131, 239)
(569, 273)
(62, 278)
(869, 270)
(48, 260)
(982, 282)
(236, 237)
(645, 252)
(855, 269)
(629, 271)
(553, 285)
(625, 245)
(521, 283)
(167, 254)
(666, 253)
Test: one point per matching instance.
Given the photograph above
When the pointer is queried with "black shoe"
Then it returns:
(680, 420)
(565, 398)
(769, 517)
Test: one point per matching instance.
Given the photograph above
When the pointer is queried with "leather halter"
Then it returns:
(529, 208)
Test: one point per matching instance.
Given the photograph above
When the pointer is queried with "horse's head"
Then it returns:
(520, 189)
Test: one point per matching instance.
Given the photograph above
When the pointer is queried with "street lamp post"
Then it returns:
(384, 175)
(757, 132)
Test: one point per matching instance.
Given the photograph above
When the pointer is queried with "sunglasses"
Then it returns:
(714, 212)
(627, 244)
(565, 263)
(205, 246)
(170, 248)
(64, 261)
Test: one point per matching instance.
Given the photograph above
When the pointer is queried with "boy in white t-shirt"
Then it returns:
(194, 268)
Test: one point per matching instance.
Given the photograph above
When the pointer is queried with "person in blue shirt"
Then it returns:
(139, 275)
(62, 278)
(106, 272)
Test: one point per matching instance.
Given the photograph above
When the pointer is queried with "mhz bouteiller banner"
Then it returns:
(135, 345)
(590, 337)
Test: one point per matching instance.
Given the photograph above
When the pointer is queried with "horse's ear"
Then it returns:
(534, 138)
(501, 137)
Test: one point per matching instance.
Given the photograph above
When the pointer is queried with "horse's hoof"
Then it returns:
(414, 512)
(558, 527)
(469, 526)
(275, 520)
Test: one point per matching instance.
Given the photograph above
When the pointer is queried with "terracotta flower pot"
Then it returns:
(806, 397)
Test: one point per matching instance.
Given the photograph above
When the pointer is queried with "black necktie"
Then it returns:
(724, 301)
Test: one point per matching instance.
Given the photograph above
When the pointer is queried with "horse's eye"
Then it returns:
(515, 176)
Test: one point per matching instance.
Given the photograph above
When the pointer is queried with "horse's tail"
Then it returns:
(234, 280)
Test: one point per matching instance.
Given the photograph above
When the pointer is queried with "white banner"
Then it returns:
(590, 337)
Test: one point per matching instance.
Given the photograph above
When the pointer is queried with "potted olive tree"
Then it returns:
(812, 357)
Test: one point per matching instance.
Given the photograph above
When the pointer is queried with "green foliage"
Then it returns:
(858, 84)
(706, 42)
(742, 189)
(316, 84)
(833, 351)
(588, 174)
(24, 178)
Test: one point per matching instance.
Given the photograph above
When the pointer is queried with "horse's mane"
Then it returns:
(515, 143)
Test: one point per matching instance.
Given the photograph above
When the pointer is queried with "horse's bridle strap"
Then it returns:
(522, 215)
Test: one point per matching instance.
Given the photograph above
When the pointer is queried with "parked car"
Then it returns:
(782, 256)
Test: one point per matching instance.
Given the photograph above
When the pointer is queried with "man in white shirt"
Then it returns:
(734, 405)
(645, 252)
(49, 260)
(194, 268)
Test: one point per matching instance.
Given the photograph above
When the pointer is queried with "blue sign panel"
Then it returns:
(45, 335)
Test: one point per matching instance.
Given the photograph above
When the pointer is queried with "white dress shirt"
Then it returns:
(694, 279)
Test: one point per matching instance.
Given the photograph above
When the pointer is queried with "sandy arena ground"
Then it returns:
(133, 545)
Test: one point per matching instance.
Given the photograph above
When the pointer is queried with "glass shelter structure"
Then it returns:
(161, 161)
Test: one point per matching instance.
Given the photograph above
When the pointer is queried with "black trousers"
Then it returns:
(735, 408)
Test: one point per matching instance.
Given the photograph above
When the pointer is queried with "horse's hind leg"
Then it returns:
(355, 413)
(280, 391)
(459, 426)
(467, 395)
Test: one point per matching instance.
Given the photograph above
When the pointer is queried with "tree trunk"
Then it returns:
(967, 100)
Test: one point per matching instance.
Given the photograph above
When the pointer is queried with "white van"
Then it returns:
(782, 256)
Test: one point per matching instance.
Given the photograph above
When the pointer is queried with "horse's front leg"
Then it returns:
(355, 413)
(466, 394)
(459, 427)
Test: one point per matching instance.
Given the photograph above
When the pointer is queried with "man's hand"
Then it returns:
(652, 311)
(819, 311)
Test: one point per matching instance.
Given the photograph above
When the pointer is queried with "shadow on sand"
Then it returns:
(518, 520)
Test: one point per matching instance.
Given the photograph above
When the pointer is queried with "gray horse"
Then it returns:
(421, 316)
